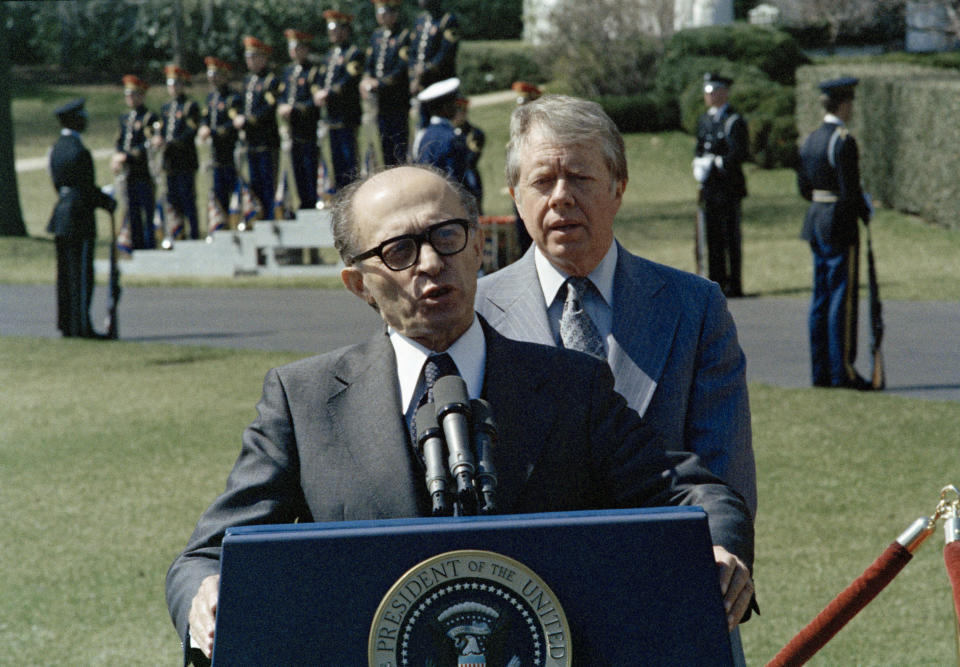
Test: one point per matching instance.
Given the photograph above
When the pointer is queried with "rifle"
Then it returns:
(877, 376)
(113, 322)
(700, 237)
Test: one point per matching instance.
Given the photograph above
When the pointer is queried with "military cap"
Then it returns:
(174, 73)
(216, 65)
(252, 45)
(383, 5)
(440, 91)
(335, 18)
(712, 81)
(72, 108)
(840, 88)
(295, 37)
(134, 84)
(527, 92)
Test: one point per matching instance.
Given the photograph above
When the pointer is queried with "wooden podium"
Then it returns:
(615, 587)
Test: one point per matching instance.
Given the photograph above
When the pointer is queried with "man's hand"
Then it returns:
(735, 585)
(203, 614)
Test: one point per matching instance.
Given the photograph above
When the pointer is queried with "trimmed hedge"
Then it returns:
(773, 52)
(904, 128)
(489, 66)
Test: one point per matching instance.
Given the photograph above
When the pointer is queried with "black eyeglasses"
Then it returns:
(401, 252)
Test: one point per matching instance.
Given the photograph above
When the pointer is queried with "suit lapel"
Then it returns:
(644, 325)
(368, 419)
(513, 389)
(522, 313)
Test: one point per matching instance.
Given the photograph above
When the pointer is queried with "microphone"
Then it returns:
(484, 439)
(453, 415)
(430, 446)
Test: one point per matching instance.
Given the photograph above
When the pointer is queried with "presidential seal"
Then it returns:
(470, 608)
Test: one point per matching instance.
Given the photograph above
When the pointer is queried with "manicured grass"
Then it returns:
(111, 451)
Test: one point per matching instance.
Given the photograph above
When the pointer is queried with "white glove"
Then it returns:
(701, 167)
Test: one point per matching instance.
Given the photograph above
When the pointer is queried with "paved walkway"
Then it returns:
(921, 347)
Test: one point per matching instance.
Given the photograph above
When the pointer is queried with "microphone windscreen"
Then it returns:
(450, 392)
(426, 420)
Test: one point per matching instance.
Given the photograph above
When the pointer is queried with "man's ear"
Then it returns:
(477, 245)
(352, 279)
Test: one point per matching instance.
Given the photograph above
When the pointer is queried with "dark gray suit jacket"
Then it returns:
(330, 444)
(674, 355)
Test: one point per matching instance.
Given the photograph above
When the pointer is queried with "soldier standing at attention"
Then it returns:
(179, 121)
(257, 121)
(440, 145)
(829, 177)
(302, 115)
(338, 92)
(216, 123)
(73, 223)
(722, 146)
(386, 82)
(131, 157)
(474, 139)
(433, 49)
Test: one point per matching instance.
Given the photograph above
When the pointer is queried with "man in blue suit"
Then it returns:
(666, 334)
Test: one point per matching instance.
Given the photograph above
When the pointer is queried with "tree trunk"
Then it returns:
(11, 217)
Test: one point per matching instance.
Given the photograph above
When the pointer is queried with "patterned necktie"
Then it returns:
(577, 330)
(436, 367)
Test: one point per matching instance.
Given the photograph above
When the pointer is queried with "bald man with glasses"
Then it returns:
(331, 441)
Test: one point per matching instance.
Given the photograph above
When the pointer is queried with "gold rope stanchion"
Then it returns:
(874, 579)
(951, 552)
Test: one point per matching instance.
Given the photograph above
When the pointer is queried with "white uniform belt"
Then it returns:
(825, 196)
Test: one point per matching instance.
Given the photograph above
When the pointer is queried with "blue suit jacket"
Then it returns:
(674, 355)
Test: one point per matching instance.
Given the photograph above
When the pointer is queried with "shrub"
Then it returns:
(488, 66)
(640, 112)
(773, 52)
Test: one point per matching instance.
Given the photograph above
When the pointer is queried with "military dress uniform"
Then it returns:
(179, 121)
(296, 89)
(387, 61)
(440, 144)
(433, 51)
(223, 104)
(73, 223)
(136, 130)
(723, 139)
(260, 130)
(474, 140)
(829, 177)
(339, 75)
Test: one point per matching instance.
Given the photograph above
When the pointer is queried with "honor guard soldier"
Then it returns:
(433, 48)
(296, 107)
(338, 92)
(440, 144)
(386, 81)
(829, 177)
(474, 140)
(722, 146)
(257, 121)
(132, 158)
(216, 123)
(179, 122)
(73, 223)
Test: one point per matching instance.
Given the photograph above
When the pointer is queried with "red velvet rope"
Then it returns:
(843, 608)
(951, 556)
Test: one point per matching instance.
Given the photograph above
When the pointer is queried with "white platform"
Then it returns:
(272, 247)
